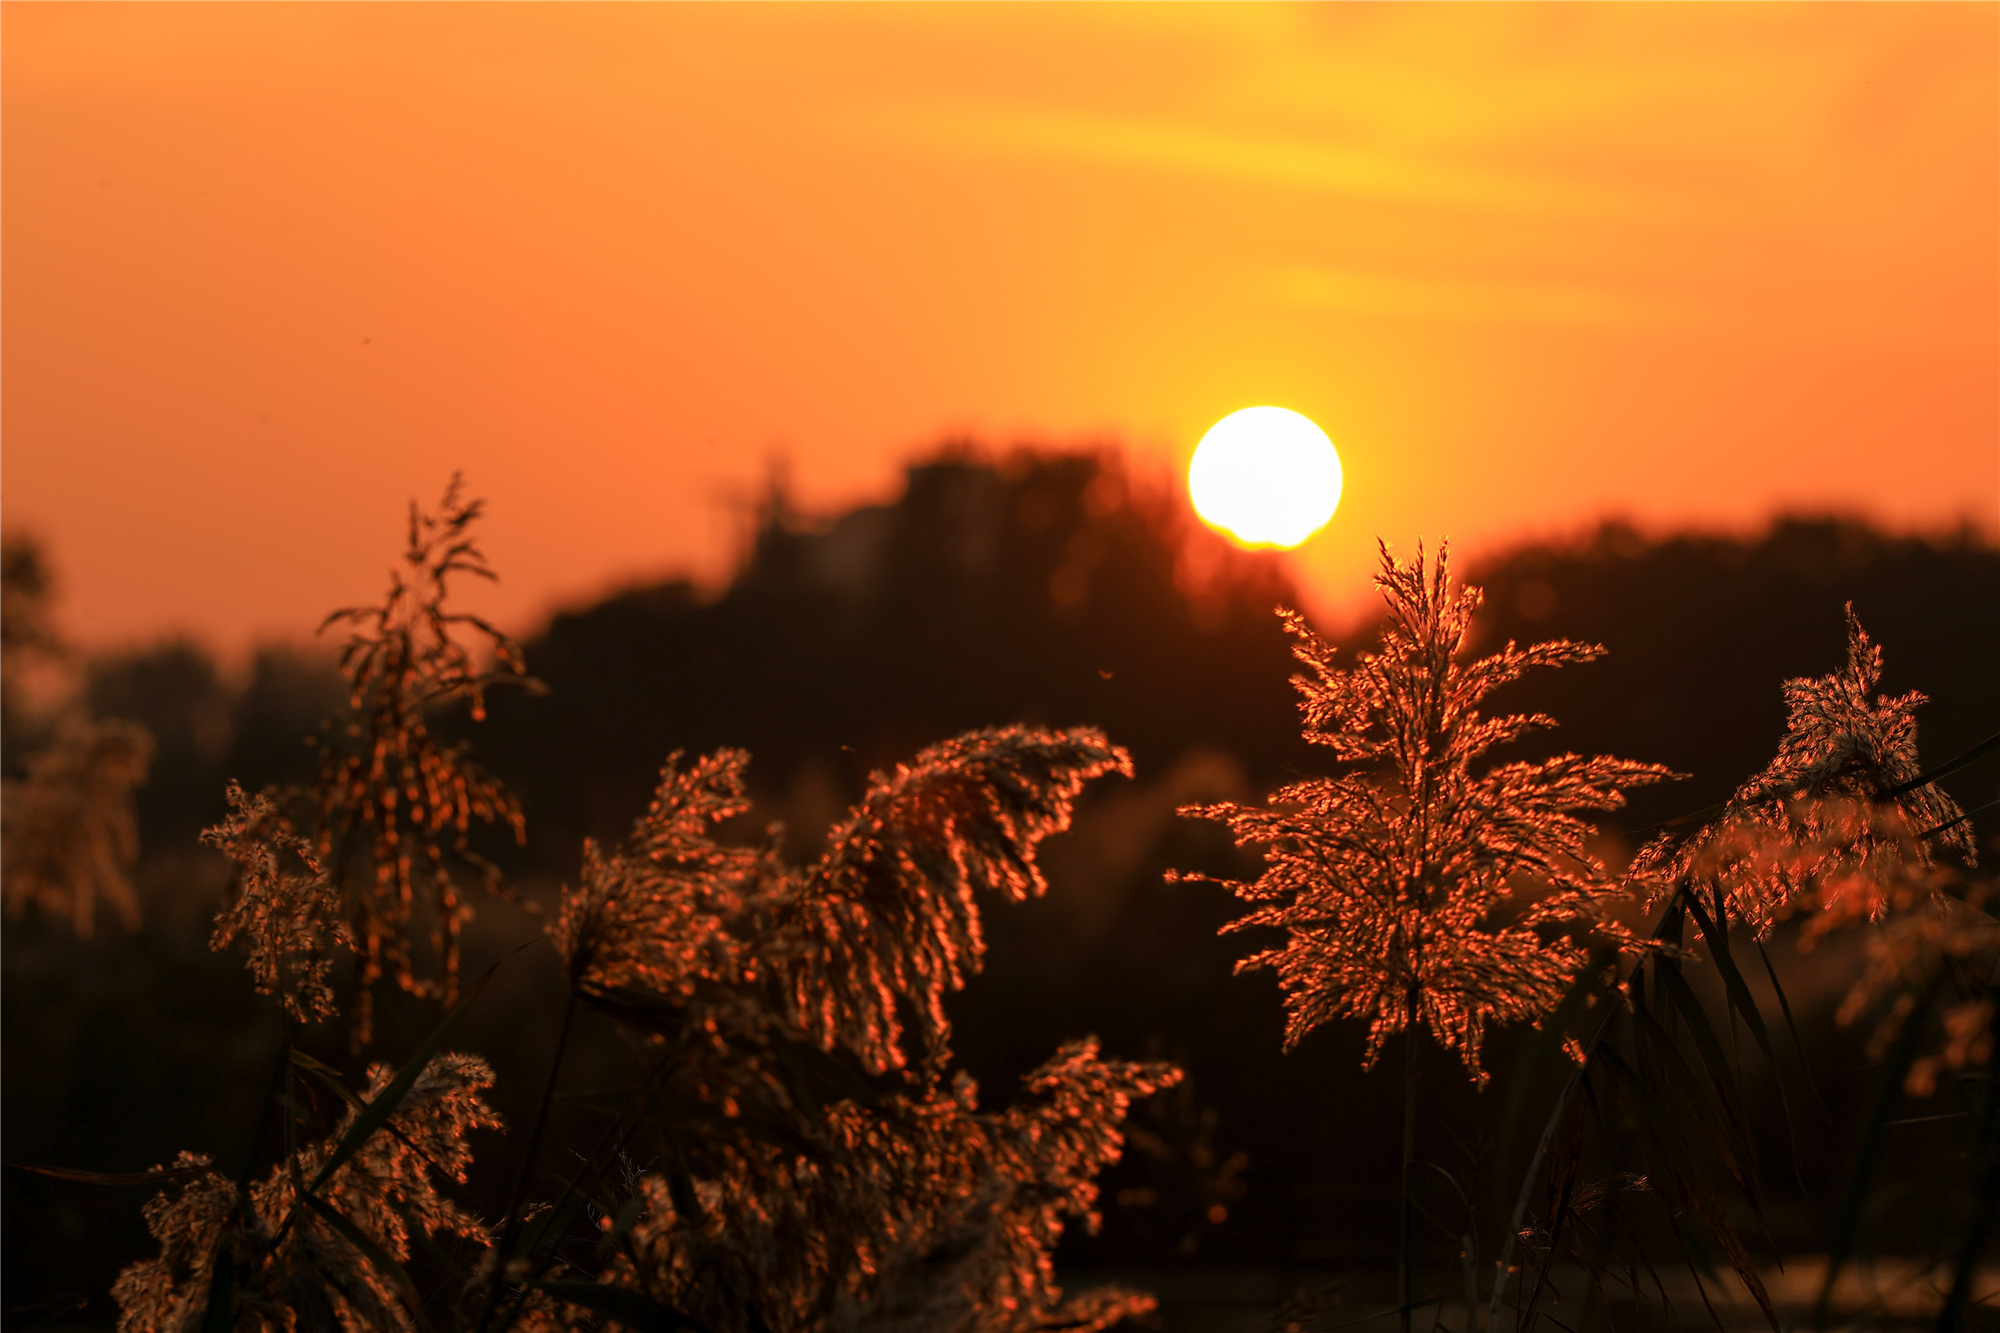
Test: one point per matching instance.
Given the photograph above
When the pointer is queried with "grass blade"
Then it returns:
(328, 1077)
(159, 1175)
(1685, 1170)
(1714, 930)
(384, 1262)
(1847, 1218)
(1785, 1007)
(1704, 1134)
(1948, 767)
(377, 1112)
(1721, 1076)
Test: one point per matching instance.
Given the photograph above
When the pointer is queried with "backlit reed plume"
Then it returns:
(1839, 827)
(392, 800)
(918, 1214)
(824, 1170)
(299, 1265)
(656, 916)
(1839, 807)
(1934, 952)
(1421, 885)
(869, 939)
(288, 916)
(69, 834)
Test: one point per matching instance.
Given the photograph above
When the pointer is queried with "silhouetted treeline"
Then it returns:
(1041, 589)
(1703, 629)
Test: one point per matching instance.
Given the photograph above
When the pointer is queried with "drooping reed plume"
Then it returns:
(1839, 808)
(826, 1169)
(283, 907)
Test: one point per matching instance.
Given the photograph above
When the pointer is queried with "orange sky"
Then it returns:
(270, 270)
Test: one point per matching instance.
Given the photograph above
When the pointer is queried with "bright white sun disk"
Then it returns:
(1265, 475)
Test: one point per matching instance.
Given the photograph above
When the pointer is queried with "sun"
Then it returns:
(1266, 476)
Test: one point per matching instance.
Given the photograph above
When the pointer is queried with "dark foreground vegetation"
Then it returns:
(737, 1069)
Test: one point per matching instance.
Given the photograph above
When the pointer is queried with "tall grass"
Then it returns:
(1422, 884)
(791, 1143)
(813, 1157)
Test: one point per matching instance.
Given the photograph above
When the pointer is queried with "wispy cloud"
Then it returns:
(1255, 159)
(1469, 300)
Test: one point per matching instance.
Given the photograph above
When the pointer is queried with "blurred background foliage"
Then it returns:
(1035, 587)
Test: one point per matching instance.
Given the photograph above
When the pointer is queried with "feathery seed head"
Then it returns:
(391, 799)
(827, 1172)
(290, 919)
(1395, 880)
(1837, 808)
(849, 951)
(297, 1260)
(69, 834)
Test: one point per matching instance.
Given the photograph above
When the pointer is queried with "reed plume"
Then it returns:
(919, 1213)
(825, 1170)
(302, 1251)
(1839, 807)
(1394, 880)
(69, 833)
(390, 796)
(289, 919)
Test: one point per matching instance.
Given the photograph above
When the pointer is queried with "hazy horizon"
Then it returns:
(1340, 609)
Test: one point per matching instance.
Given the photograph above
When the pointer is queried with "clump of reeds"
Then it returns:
(1418, 887)
(1399, 882)
(793, 1148)
(816, 1161)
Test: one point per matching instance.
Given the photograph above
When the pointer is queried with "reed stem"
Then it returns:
(1406, 1244)
(527, 1165)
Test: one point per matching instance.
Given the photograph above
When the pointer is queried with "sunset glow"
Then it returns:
(272, 266)
(1265, 475)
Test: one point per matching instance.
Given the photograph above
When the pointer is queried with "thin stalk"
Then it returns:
(1527, 1185)
(1637, 980)
(277, 1090)
(1953, 1317)
(1469, 1257)
(614, 1139)
(1406, 1221)
(280, 1089)
(527, 1165)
